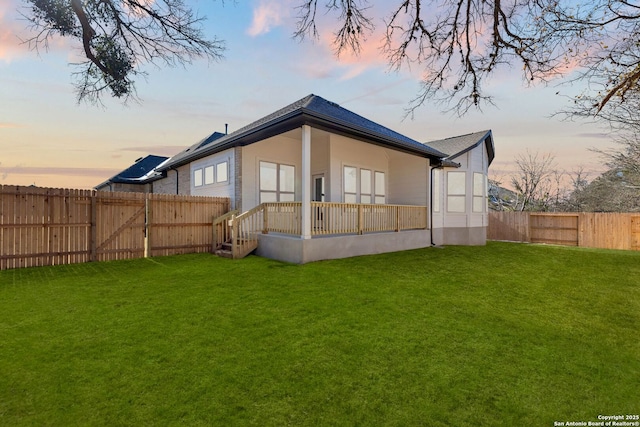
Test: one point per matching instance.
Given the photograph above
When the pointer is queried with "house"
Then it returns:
(137, 178)
(314, 181)
(459, 205)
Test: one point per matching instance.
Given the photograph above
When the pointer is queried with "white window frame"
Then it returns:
(479, 192)
(226, 172)
(456, 191)
(280, 194)
(198, 178)
(209, 175)
(347, 195)
(380, 194)
(366, 197)
(377, 194)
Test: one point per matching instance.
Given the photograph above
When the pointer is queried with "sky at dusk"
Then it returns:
(48, 139)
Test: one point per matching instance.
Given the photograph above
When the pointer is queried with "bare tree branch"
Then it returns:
(460, 44)
(119, 36)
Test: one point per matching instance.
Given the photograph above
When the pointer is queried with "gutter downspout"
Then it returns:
(177, 181)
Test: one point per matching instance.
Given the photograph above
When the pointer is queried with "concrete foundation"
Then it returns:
(299, 251)
(473, 236)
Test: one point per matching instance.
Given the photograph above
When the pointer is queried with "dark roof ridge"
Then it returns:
(309, 109)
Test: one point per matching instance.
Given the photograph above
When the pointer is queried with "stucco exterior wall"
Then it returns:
(350, 152)
(408, 180)
(281, 149)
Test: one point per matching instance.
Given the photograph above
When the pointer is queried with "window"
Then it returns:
(222, 172)
(277, 182)
(350, 185)
(211, 174)
(380, 188)
(365, 186)
(197, 178)
(456, 191)
(287, 183)
(437, 174)
(208, 175)
(372, 186)
(479, 199)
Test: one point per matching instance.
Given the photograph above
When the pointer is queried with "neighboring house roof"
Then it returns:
(458, 145)
(141, 172)
(311, 110)
(203, 142)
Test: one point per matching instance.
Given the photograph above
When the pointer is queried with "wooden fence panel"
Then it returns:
(43, 226)
(635, 232)
(182, 224)
(594, 230)
(508, 226)
(48, 226)
(606, 230)
(556, 229)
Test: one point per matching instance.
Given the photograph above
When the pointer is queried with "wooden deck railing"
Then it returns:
(222, 229)
(283, 217)
(326, 219)
(347, 218)
(245, 229)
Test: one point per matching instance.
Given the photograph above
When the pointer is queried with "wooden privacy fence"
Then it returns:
(47, 226)
(593, 230)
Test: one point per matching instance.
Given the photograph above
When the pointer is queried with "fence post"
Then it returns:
(397, 209)
(147, 226)
(360, 225)
(93, 233)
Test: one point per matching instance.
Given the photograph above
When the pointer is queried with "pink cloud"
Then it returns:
(16, 34)
(12, 31)
(267, 15)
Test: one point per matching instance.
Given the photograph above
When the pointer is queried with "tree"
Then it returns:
(118, 36)
(461, 43)
(533, 181)
(458, 43)
(609, 192)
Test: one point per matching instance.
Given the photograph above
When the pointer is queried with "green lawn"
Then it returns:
(502, 335)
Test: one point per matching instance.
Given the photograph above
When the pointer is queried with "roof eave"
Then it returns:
(292, 121)
(275, 127)
(338, 126)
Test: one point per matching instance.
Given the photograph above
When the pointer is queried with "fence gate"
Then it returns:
(119, 226)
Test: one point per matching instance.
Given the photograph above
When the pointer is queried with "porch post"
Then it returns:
(306, 182)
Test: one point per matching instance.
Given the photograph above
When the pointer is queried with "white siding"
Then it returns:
(218, 189)
(475, 160)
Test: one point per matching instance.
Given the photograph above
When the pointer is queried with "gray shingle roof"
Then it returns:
(314, 110)
(457, 145)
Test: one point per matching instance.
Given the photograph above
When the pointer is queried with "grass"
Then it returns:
(507, 334)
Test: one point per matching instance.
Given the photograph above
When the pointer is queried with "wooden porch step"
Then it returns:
(224, 253)
(226, 250)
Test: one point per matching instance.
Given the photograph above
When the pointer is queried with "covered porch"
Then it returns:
(283, 231)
